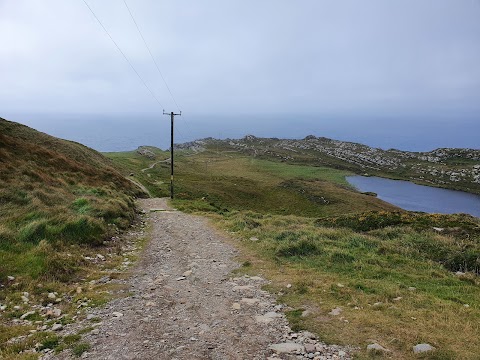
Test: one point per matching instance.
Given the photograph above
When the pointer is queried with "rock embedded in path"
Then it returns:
(117, 314)
(287, 347)
(249, 301)
(187, 273)
(242, 287)
(267, 318)
(57, 327)
(421, 348)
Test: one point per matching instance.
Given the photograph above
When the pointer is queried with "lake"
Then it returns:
(410, 196)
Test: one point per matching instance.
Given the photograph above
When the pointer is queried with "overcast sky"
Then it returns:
(338, 57)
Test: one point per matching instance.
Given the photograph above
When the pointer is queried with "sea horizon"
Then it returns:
(113, 133)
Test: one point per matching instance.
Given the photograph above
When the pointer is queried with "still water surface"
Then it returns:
(410, 196)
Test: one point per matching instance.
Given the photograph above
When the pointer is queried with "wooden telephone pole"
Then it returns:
(172, 117)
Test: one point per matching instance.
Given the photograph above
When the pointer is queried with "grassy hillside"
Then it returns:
(393, 274)
(54, 194)
(224, 182)
(457, 169)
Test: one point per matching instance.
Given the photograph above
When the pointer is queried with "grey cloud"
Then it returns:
(336, 56)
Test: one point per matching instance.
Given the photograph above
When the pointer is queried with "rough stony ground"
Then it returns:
(184, 304)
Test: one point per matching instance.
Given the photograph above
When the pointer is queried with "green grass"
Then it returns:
(392, 275)
(79, 349)
(55, 191)
(59, 201)
(289, 171)
(341, 248)
(406, 269)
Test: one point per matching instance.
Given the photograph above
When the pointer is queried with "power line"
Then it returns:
(151, 55)
(124, 56)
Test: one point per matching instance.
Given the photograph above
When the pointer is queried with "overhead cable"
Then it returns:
(151, 55)
(123, 54)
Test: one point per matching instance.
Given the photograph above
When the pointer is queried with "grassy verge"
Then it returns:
(393, 284)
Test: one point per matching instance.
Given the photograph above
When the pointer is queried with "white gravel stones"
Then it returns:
(117, 314)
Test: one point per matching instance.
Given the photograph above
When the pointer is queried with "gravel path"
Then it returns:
(184, 304)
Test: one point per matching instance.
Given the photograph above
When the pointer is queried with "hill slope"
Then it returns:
(450, 168)
(57, 191)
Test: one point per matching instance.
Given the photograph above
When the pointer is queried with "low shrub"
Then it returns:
(300, 248)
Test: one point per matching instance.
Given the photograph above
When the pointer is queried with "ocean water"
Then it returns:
(127, 132)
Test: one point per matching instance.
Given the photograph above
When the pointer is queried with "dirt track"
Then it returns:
(185, 305)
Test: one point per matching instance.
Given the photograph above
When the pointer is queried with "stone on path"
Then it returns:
(267, 318)
(256, 278)
(288, 347)
(187, 273)
(249, 301)
(236, 306)
(117, 314)
(57, 327)
(242, 287)
(421, 348)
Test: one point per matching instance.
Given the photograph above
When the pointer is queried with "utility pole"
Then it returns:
(172, 117)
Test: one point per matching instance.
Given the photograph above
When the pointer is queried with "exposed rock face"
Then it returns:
(146, 152)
